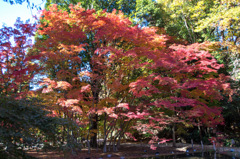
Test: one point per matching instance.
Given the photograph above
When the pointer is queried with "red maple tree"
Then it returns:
(101, 68)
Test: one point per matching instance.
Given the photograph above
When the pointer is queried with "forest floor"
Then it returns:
(128, 150)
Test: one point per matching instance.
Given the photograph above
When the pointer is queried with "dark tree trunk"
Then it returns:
(96, 87)
(174, 135)
(94, 126)
(200, 132)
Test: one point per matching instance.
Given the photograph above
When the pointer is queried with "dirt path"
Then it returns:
(129, 150)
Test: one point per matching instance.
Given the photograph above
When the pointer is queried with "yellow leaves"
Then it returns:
(196, 93)
(198, 10)
(229, 1)
(222, 15)
(171, 3)
(188, 125)
(209, 46)
(107, 102)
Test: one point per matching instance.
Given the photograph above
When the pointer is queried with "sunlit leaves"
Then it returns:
(16, 66)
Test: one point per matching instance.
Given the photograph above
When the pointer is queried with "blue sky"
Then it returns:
(9, 13)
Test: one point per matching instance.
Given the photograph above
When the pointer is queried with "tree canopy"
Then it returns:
(105, 77)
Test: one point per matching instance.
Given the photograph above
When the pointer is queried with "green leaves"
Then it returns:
(23, 123)
(126, 6)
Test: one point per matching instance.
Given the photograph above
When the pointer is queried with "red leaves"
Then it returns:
(165, 80)
(142, 88)
(130, 136)
(113, 115)
(16, 67)
(107, 111)
(86, 88)
(152, 147)
(47, 90)
(63, 85)
(71, 102)
(123, 105)
(51, 84)
(155, 140)
(164, 141)
(191, 59)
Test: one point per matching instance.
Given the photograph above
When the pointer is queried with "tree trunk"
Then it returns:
(105, 134)
(174, 135)
(94, 127)
(110, 142)
(95, 86)
(105, 146)
(114, 145)
(200, 132)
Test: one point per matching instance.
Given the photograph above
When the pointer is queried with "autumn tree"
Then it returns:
(101, 68)
(93, 56)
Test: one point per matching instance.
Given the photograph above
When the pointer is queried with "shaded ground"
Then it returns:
(127, 150)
